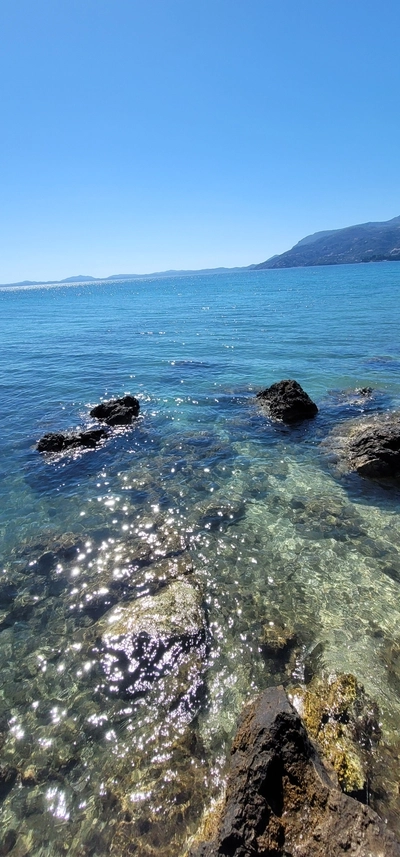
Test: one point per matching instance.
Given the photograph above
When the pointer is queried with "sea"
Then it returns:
(107, 752)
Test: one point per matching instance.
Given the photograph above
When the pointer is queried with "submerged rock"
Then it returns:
(173, 612)
(55, 442)
(277, 640)
(144, 640)
(219, 513)
(8, 776)
(287, 401)
(117, 412)
(143, 577)
(344, 721)
(174, 790)
(282, 801)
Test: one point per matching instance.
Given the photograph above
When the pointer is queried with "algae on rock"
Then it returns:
(344, 721)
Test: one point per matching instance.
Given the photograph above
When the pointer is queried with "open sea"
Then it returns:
(256, 518)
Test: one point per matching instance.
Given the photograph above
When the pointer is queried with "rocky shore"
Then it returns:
(142, 623)
(283, 801)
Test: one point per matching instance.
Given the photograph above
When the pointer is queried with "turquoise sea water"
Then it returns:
(275, 532)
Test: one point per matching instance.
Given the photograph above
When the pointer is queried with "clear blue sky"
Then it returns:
(141, 135)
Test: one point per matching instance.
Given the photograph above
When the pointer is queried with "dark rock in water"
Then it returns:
(343, 404)
(368, 445)
(8, 593)
(8, 841)
(277, 640)
(281, 801)
(46, 563)
(374, 449)
(366, 392)
(61, 442)
(117, 412)
(8, 776)
(287, 401)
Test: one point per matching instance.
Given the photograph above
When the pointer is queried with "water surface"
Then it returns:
(274, 533)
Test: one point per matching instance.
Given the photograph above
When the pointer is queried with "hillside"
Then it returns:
(367, 242)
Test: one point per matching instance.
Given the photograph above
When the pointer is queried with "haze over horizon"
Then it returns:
(146, 137)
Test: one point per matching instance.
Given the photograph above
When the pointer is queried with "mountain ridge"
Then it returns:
(374, 241)
(364, 242)
(80, 278)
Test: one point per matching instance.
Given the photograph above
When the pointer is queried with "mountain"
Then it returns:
(80, 278)
(175, 273)
(367, 242)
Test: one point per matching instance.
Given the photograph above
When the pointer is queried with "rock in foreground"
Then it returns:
(117, 412)
(287, 401)
(281, 801)
(55, 442)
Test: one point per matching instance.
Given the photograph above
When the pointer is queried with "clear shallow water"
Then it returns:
(273, 531)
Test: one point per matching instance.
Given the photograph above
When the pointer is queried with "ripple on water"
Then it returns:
(296, 566)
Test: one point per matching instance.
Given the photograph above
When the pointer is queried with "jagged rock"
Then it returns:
(345, 723)
(117, 412)
(281, 801)
(61, 442)
(287, 401)
(374, 450)
(370, 446)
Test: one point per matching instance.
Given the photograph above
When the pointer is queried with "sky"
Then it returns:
(144, 135)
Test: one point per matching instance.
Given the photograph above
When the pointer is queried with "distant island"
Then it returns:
(81, 278)
(366, 242)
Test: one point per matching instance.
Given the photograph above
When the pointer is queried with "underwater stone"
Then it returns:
(151, 637)
(219, 515)
(281, 800)
(8, 841)
(277, 640)
(117, 412)
(8, 776)
(173, 612)
(181, 796)
(46, 563)
(29, 776)
(287, 401)
(102, 593)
